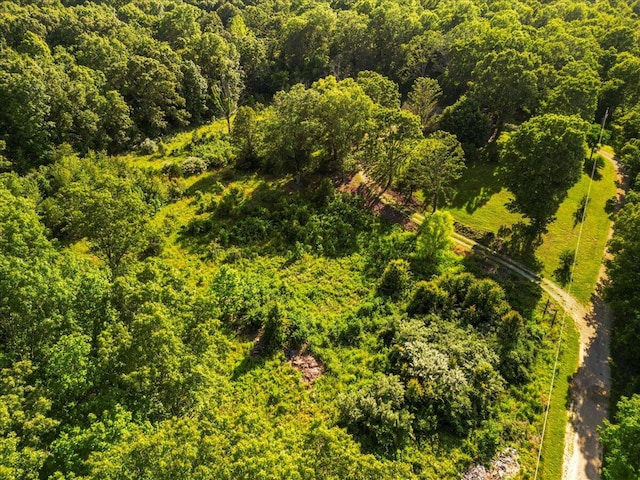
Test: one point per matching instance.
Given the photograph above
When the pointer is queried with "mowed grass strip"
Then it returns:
(480, 200)
(563, 232)
(553, 443)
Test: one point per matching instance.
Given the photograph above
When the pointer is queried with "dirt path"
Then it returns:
(592, 382)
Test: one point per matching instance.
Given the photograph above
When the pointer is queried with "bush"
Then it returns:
(229, 204)
(193, 166)
(428, 298)
(147, 147)
(277, 328)
(171, 170)
(395, 279)
(376, 415)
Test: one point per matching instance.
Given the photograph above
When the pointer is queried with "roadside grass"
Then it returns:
(553, 446)
(480, 204)
(563, 232)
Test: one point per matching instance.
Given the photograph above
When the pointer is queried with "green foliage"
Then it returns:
(276, 331)
(435, 164)
(377, 415)
(433, 242)
(531, 169)
(395, 279)
(620, 440)
(193, 166)
(622, 294)
(423, 100)
(148, 368)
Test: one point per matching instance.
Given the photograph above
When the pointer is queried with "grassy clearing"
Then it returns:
(175, 145)
(553, 446)
(480, 200)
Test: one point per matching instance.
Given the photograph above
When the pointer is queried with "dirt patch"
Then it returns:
(307, 364)
(389, 205)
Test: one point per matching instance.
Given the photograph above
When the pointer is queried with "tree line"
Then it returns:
(106, 76)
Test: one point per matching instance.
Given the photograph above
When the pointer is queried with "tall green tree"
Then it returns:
(423, 100)
(112, 216)
(539, 162)
(389, 144)
(506, 83)
(621, 441)
(342, 114)
(435, 163)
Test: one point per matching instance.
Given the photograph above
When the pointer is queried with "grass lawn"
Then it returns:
(480, 204)
(480, 200)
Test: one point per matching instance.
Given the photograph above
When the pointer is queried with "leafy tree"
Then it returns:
(288, 130)
(24, 117)
(195, 91)
(389, 144)
(540, 162)
(379, 88)
(243, 137)
(423, 100)
(467, 121)
(433, 241)
(114, 219)
(621, 439)
(227, 89)
(26, 420)
(306, 41)
(153, 92)
(575, 91)
(622, 295)
(435, 164)
(180, 25)
(506, 83)
(342, 115)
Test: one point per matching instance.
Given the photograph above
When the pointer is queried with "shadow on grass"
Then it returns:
(476, 187)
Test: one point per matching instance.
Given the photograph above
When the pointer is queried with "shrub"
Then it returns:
(193, 166)
(428, 298)
(147, 147)
(376, 415)
(277, 328)
(171, 170)
(395, 279)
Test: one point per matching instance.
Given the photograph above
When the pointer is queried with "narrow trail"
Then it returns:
(590, 385)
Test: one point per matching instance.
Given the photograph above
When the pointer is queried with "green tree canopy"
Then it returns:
(540, 161)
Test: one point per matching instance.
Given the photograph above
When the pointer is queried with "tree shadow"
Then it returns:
(475, 188)
(590, 387)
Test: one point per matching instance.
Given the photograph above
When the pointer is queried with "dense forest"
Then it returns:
(159, 308)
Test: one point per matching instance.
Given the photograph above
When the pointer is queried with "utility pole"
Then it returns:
(604, 120)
